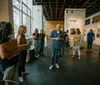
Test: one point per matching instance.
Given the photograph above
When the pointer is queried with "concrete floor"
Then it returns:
(71, 72)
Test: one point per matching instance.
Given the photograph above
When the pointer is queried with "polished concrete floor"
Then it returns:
(71, 72)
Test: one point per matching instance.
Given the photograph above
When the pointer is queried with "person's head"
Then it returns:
(78, 31)
(58, 27)
(42, 31)
(91, 30)
(22, 29)
(67, 31)
(5, 30)
(36, 31)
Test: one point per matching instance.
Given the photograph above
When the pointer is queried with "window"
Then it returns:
(16, 16)
(16, 3)
(22, 16)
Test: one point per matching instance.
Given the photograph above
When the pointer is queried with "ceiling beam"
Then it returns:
(51, 10)
(62, 9)
(56, 9)
(79, 1)
(91, 4)
(45, 10)
(85, 3)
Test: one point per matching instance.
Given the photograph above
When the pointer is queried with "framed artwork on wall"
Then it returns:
(98, 33)
(72, 31)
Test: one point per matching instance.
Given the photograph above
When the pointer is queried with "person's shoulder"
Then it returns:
(53, 31)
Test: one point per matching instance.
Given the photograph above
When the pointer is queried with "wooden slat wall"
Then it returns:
(51, 25)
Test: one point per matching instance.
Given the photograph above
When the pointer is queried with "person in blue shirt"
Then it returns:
(57, 38)
(90, 39)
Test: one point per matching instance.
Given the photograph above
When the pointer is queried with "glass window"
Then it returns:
(25, 1)
(16, 15)
(29, 12)
(27, 23)
(24, 9)
(16, 3)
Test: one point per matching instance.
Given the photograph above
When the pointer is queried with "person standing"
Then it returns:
(36, 42)
(76, 39)
(5, 31)
(22, 55)
(90, 39)
(67, 39)
(57, 38)
(63, 44)
(41, 42)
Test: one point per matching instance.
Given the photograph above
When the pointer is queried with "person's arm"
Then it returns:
(52, 36)
(19, 40)
(87, 36)
(5, 54)
(93, 36)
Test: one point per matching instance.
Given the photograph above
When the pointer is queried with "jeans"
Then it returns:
(56, 52)
(76, 48)
(1, 69)
(22, 60)
(41, 47)
(63, 49)
(89, 44)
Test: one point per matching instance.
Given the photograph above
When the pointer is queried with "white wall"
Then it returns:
(74, 20)
(38, 17)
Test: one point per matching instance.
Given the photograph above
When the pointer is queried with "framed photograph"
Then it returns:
(72, 31)
(98, 33)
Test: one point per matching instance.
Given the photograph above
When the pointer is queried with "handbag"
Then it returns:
(9, 49)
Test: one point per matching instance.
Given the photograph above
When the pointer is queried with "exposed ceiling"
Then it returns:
(54, 9)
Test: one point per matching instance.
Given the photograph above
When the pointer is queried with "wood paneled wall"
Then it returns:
(51, 25)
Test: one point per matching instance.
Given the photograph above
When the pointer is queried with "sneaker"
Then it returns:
(51, 67)
(73, 56)
(57, 66)
(25, 73)
(21, 79)
(79, 58)
(37, 56)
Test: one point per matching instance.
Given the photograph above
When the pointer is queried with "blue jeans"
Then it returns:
(63, 49)
(56, 52)
(1, 69)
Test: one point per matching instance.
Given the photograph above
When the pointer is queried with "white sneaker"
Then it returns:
(37, 56)
(79, 58)
(57, 66)
(51, 67)
(21, 79)
(25, 73)
(73, 56)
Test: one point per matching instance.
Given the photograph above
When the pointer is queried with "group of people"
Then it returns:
(39, 42)
(59, 39)
(5, 31)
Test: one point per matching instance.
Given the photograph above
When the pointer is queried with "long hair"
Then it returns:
(5, 31)
(21, 30)
(36, 31)
(78, 31)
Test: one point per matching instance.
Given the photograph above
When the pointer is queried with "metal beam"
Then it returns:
(91, 4)
(85, 3)
(45, 10)
(56, 9)
(79, 1)
(51, 10)
(62, 9)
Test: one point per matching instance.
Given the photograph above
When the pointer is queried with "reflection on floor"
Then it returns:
(71, 72)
